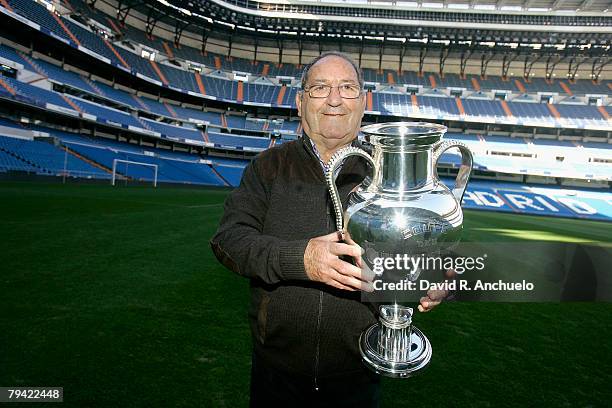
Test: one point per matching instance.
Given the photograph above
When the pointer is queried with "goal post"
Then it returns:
(128, 162)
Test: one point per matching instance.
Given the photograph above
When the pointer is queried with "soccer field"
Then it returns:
(114, 294)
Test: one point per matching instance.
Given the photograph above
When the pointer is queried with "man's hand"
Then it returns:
(323, 264)
(434, 297)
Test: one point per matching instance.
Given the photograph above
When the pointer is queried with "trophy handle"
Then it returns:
(465, 169)
(330, 177)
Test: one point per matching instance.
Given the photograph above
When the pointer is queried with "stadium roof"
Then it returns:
(398, 27)
(521, 6)
(393, 18)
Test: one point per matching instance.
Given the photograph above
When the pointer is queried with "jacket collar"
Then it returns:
(308, 145)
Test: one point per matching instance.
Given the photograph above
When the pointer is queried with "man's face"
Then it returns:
(334, 120)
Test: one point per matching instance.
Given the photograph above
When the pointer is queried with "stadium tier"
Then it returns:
(42, 157)
(128, 118)
(431, 105)
(433, 80)
(183, 133)
(526, 199)
(169, 170)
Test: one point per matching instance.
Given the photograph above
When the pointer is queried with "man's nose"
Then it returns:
(334, 98)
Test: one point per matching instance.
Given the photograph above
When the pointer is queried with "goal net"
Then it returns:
(124, 165)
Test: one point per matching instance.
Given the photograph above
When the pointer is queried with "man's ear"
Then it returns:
(298, 102)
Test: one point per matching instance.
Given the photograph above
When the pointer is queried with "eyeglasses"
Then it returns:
(346, 91)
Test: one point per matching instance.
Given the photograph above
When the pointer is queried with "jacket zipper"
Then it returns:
(316, 370)
(316, 384)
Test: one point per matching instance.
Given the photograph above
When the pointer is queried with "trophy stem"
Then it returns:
(393, 347)
(394, 338)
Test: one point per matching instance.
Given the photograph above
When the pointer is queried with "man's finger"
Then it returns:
(348, 269)
(367, 274)
(349, 281)
(331, 237)
(341, 248)
(339, 285)
(368, 287)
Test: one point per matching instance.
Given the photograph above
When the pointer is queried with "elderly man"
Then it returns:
(278, 230)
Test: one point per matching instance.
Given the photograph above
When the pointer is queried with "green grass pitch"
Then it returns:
(114, 294)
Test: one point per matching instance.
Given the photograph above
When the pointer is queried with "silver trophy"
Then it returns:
(403, 208)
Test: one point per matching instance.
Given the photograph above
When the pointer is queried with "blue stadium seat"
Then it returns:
(232, 174)
(62, 76)
(235, 122)
(438, 106)
(537, 111)
(37, 95)
(39, 14)
(169, 170)
(12, 55)
(44, 158)
(182, 132)
(236, 141)
(91, 41)
(117, 95)
(106, 114)
(8, 162)
(579, 111)
(477, 107)
(155, 106)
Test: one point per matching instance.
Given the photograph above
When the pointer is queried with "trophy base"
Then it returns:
(419, 355)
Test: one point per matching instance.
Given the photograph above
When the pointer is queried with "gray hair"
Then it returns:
(338, 54)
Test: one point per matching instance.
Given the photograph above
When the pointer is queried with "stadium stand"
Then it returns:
(116, 95)
(525, 199)
(151, 69)
(238, 142)
(39, 96)
(43, 158)
(39, 14)
(10, 162)
(400, 104)
(169, 170)
(168, 130)
(406, 78)
(105, 114)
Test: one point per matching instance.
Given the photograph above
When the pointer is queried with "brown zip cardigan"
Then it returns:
(304, 328)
